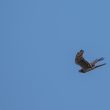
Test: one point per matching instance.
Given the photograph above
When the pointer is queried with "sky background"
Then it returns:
(38, 43)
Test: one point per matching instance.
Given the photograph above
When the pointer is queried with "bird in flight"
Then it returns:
(84, 64)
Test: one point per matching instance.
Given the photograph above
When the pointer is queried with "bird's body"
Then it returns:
(84, 64)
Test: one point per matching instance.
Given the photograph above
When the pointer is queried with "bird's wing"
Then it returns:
(79, 59)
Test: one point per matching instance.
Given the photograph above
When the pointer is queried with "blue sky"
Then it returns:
(38, 43)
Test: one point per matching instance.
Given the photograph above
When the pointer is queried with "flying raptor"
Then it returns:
(84, 64)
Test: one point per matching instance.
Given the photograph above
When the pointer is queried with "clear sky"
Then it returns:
(38, 43)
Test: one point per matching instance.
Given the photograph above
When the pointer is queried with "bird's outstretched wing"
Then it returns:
(79, 59)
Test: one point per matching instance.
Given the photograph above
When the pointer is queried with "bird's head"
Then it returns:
(80, 53)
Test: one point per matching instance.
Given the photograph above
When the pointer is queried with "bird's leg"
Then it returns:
(99, 65)
(100, 59)
(94, 62)
(97, 60)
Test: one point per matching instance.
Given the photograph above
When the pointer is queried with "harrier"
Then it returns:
(84, 64)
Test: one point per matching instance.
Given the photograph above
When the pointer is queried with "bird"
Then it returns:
(84, 64)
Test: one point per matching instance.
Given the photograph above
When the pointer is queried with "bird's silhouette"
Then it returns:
(84, 64)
